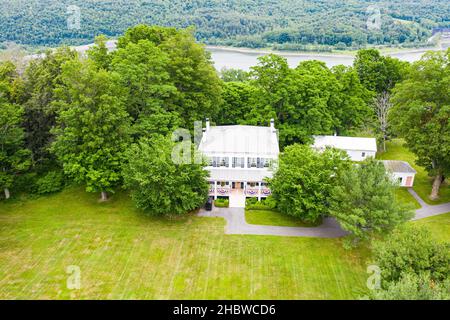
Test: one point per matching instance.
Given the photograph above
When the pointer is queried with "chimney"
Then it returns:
(272, 125)
(207, 124)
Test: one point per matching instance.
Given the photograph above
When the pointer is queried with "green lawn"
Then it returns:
(438, 225)
(405, 197)
(123, 254)
(422, 182)
(274, 218)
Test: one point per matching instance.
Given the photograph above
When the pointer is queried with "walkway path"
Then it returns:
(237, 199)
(236, 223)
(428, 210)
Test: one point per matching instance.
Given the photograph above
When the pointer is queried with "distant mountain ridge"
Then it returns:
(282, 24)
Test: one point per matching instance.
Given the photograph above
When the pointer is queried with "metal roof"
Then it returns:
(240, 139)
(345, 143)
(398, 166)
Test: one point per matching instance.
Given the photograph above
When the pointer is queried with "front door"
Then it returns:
(238, 185)
(409, 181)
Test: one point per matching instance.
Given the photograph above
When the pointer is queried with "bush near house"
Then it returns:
(264, 204)
(222, 203)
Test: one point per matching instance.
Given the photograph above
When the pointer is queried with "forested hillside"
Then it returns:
(282, 24)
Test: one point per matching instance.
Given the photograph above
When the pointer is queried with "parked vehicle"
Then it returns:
(209, 204)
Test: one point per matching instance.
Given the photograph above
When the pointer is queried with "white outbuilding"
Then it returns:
(357, 148)
(401, 172)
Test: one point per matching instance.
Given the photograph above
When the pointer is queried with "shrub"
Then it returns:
(222, 203)
(52, 181)
(25, 183)
(412, 249)
(414, 287)
(265, 204)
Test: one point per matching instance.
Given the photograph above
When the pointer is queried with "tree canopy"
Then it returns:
(304, 180)
(421, 114)
(159, 185)
(92, 129)
(412, 249)
(283, 24)
(14, 157)
(364, 203)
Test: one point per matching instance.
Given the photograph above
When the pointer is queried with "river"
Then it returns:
(244, 59)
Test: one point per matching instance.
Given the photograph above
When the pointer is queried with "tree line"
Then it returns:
(285, 24)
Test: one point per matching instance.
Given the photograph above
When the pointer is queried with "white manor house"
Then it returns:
(240, 158)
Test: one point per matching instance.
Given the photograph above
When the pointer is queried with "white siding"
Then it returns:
(396, 176)
(360, 155)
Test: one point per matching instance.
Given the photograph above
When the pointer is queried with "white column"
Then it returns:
(259, 191)
(215, 190)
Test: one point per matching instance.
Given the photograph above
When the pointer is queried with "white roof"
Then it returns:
(240, 139)
(235, 174)
(345, 143)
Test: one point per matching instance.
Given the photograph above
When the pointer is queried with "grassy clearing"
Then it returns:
(405, 197)
(274, 218)
(422, 182)
(123, 254)
(438, 225)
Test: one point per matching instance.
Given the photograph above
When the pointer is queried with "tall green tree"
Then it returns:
(14, 157)
(159, 185)
(364, 203)
(237, 98)
(41, 78)
(379, 73)
(271, 76)
(312, 91)
(144, 72)
(194, 76)
(99, 53)
(188, 65)
(93, 127)
(421, 114)
(350, 102)
(304, 180)
(310, 99)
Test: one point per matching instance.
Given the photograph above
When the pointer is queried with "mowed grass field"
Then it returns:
(438, 225)
(395, 150)
(123, 254)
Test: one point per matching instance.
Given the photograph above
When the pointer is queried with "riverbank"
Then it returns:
(335, 53)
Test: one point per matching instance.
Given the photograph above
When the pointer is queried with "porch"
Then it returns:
(238, 189)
